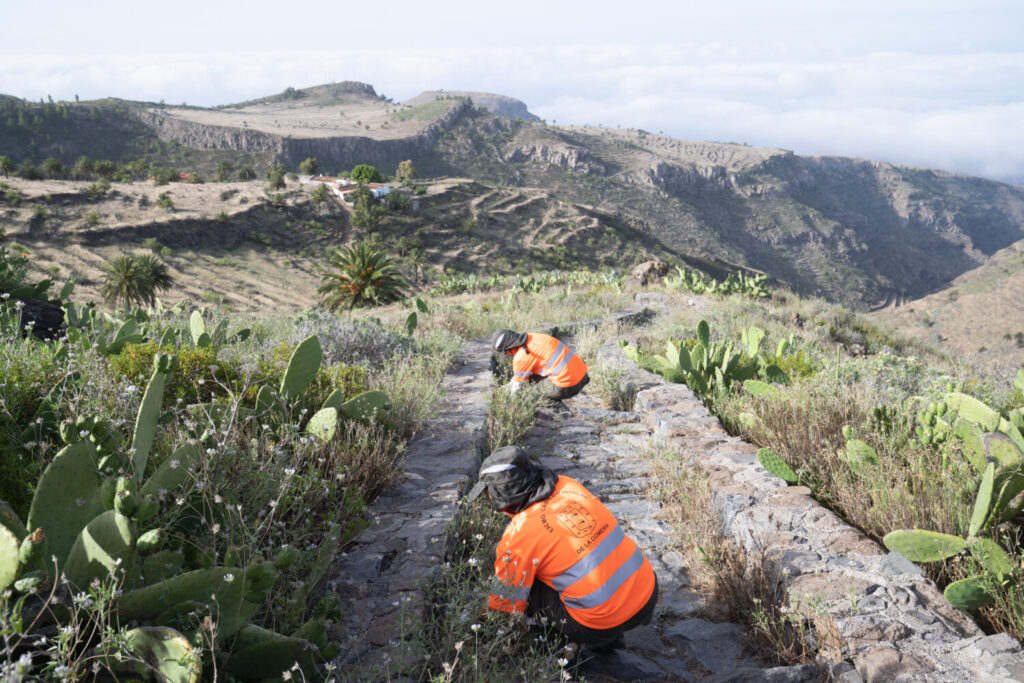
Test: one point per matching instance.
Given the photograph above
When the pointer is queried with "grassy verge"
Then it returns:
(745, 588)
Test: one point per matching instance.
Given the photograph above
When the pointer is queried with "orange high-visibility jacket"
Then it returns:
(546, 356)
(571, 542)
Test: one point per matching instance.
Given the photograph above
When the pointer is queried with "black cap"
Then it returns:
(505, 340)
(500, 467)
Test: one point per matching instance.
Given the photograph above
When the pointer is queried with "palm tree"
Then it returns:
(121, 281)
(154, 276)
(134, 279)
(361, 277)
(53, 168)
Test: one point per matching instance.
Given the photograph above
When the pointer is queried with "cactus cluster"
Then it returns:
(93, 525)
(736, 283)
(993, 445)
(708, 367)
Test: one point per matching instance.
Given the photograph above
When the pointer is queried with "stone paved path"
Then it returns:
(899, 628)
(603, 449)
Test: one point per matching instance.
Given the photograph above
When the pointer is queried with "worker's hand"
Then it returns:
(514, 386)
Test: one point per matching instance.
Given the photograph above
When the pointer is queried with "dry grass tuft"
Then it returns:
(746, 586)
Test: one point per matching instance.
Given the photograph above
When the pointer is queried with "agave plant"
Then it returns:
(361, 276)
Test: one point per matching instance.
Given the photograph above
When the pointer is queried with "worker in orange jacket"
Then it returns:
(537, 356)
(563, 555)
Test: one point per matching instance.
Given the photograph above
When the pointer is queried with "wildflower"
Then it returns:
(535, 562)
(229, 577)
(289, 471)
(472, 562)
(479, 537)
(175, 464)
(84, 433)
(132, 389)
(562, 661)
(474, 627)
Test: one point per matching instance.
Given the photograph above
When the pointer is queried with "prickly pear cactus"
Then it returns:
(756, 387)
(105, 545)
(924, 546)
(323, 424)
(67, 498)
(158, 653)
(773, 462)
(149, 413)
(860, 453)
(970, 408)
(302, 368)
(9, 564)
(366, 405)
(974, 592)
(983, 501)
(196, 326)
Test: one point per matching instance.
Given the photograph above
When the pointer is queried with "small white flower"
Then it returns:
(289, 471)
(175, 464)
(229, 577)
(479, 537)
(84, 433)
(535, 562)
(474, 627)
(562, 661)
(472, 562)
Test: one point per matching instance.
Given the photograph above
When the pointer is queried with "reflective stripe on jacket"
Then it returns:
(545, 356)
(572, 542)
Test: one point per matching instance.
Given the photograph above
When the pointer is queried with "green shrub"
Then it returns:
(199, 376)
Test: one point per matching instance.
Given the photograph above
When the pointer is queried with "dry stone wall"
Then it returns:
(893, 622)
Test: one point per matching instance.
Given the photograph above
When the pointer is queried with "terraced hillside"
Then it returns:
(251, 248)
(851, 230)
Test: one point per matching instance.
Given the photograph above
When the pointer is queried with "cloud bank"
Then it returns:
(959, 112)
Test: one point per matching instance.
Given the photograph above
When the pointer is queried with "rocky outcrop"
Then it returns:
(343, 152)
(568, 157)
(502, 105)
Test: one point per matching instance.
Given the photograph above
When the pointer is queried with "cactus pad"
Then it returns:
(323, 424)
(970, 408)
(149, 414)
(992, 557)
(106, 542)
(67, 498)
(973, 592)
(9, 518)
(302, 368)
(756, 387)
(773, 462)
(196, 326)
(160, 654)
(983, 501)
(924, 546)
(860, 453)
(366, 405)
(9, 564)
(971, 439)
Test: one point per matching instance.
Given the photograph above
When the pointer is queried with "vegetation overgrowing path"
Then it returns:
(868, 615)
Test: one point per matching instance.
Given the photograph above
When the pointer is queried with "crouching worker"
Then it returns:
(537, 356)
(563, 556)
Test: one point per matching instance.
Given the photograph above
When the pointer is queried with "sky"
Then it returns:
(937, 83)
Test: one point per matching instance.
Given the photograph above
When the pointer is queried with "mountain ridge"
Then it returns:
(855, 231)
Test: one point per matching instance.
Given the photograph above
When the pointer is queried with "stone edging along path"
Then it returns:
(893, 622)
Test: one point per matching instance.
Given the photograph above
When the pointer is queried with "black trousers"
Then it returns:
(545, 602)
(554, 393)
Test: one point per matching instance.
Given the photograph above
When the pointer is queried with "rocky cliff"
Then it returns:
(340, 152)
